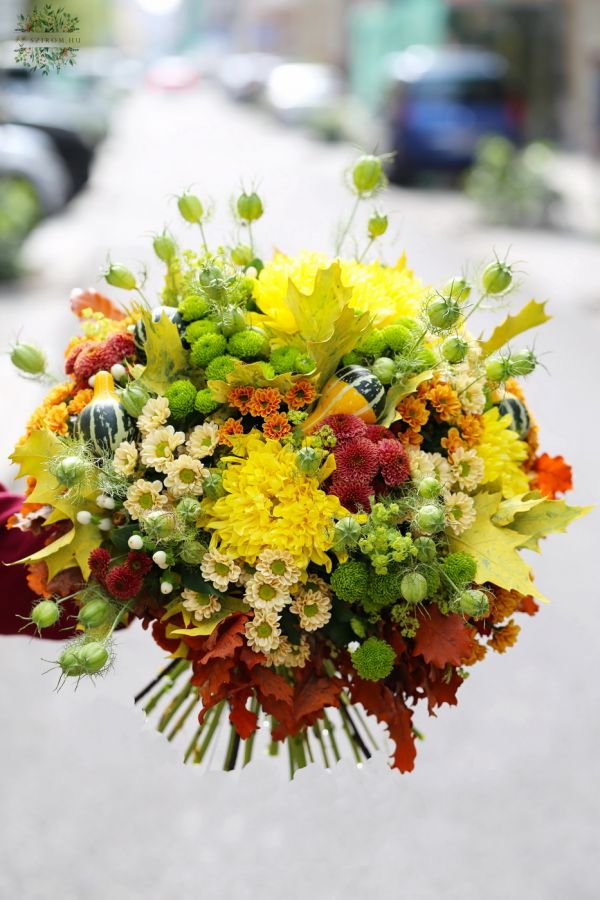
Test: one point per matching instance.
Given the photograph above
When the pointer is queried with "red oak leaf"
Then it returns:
(91, 299)
(528, 605)
(269, 684)
(440, 690)
(243, 720)
(379, 701)
(226, 638)
(441, 639)
(314, 694)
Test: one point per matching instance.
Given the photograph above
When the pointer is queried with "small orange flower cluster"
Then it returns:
(438, 399)
(264, 403)
(54, 411)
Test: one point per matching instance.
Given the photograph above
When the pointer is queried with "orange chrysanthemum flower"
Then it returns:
(56, 419)
(240, 397)
(504, 637)
(471, 429)
(276, 427)
(300, 394)
(80, 401)
(413, 412)
(477, 653)
(552, 475)
(445, 402)
(265, 402)
(453, 441)
(503, 604)
(410, 437)
(230, 427)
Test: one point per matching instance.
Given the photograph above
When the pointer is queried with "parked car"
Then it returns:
(33, 183)
(302, 93)
(75, 124)
(244, 76)
(442, 102)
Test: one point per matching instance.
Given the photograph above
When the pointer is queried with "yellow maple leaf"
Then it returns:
(532, 315)
(547, 517)
(495, 549)
(166, 358)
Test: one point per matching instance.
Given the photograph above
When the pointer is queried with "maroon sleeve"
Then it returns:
(16, 598)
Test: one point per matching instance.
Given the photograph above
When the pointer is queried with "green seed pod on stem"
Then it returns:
(414, 587)
(497, 278)
(443, 312)
(94, 613)
(429, 519)
(28, 358)
(191, 208)
(473, 603)
(120, 276)
(458, 289)
(45, 614)
(164, 246)
(522, 363)
(367, 174)
(454, 349)
(377, 225)
(249, 207)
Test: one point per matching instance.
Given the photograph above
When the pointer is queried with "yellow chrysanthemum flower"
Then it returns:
(387, 292)
(503, 454)
(269, 505)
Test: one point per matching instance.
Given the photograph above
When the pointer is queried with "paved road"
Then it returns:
(504, 802)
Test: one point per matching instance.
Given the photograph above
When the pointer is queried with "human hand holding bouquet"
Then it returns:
(304, 474)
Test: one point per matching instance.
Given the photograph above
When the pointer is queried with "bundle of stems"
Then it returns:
(174, 700)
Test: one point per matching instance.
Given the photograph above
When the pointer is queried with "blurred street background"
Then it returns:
(492, 114)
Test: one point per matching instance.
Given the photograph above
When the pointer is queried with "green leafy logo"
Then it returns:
(47, 39)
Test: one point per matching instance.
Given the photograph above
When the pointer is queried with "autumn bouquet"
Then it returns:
(304, 475)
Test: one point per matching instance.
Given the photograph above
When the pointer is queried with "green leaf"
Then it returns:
(548, 517)
(398, 392)
(495, 550)
(328, 326)
(532, 315)
(70, 549)
(508, 509)
(166, 358)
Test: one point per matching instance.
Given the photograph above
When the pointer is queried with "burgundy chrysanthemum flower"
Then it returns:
(353, 495)
(376, 433)
(139, 562)
(345, 427)
(102, 355)
(357, 459)
(393, 461)
(98, 561)
(73, 355)
(123, 583)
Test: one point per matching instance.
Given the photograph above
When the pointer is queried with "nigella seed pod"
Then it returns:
(249, 207)
(377, 226)
(385, 369)
(164, 246)
(45, 614)
(426, 549)
(120, 276)
(443, 312)
(133, 398)
(232, 320)
(458, 289)
(429, 487)
(347, 533)
(454, 350)
(367, 174)
(414, 587)
(190, 208)
(242, 255)
(522, 363)
(308, 460)
(70, 470)
(193, 553)
(429, 519)
(70, 663)
(93, 657)
(497, 370)
(497, 278)
(473, 603)
(28, 358)
(213, 486)
(94, 613)
(188, 508)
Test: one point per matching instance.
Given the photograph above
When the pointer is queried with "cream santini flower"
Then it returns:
(154, 414)
(159, 446)
(313, 608)
(460, 511)
(125, 458)
(143, 497)
(219, 569)
(467, 469)
(262, 632)
(184, 476)
(201, 606)
(278, 567)
(203, 440)
(264, 593)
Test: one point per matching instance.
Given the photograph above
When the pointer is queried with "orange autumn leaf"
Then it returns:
(227, 637)
(552, 475)
(390, 709)
(37, 578)
(243, 720)
(315, 694)
(442, 640)
(95, 301)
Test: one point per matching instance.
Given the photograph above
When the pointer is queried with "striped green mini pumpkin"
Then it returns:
(516, 409)
(103, 423)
